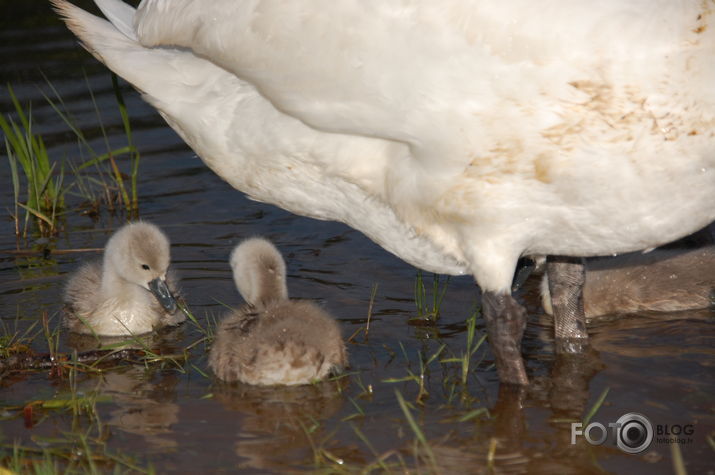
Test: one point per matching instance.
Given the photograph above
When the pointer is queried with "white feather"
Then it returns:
(120, 14)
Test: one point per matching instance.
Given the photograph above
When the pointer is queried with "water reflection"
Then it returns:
(145, 404)
(280, 419)
(166, 341)
(145, 397)
(510, 442)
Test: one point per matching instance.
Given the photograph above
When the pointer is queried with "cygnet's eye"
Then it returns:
(145, 267)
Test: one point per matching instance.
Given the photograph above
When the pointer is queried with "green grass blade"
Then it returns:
(15, 183)
(20, 112)
(596, 406)
(67, 119)
(678, 462)
(134, 154)
(36, 213)
(415, 427)
(472, 414)
(100, 158)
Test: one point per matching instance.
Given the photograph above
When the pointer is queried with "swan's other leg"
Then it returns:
(506, 321)
(566, 280)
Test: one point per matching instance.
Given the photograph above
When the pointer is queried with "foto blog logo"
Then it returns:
(633, 432)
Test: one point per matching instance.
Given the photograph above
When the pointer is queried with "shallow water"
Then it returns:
(181, 420)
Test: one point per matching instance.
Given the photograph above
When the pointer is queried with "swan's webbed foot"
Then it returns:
(506, 321)
(566, 280)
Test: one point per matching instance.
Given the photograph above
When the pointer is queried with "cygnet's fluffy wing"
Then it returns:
(291, 342)
(82, 295)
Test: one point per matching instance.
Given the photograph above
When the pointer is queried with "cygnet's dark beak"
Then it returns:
(162, 293)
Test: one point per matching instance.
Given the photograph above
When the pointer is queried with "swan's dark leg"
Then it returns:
(506, 320)
(566, 280)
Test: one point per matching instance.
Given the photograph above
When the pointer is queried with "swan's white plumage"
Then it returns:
(459, 135)
(120, 14)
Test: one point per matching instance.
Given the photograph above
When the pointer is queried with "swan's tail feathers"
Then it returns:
(98, 36)
(120, 14)
(167, 78)
(151, 71)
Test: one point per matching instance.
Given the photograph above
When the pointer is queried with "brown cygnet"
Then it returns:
(272, 339)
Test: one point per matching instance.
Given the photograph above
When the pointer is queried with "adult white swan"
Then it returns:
(459, 135)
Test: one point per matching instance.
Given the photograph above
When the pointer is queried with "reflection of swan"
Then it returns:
(273, 420)
(644, 337)
(273, 340)
(114, 297)
(143, 398)
(458, 135)
(163, 338)
(662, 280)
(144, 407)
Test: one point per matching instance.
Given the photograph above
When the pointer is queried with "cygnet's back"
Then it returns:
(664, 280)
(273, 340)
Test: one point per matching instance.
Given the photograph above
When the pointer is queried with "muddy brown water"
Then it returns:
(185, 421)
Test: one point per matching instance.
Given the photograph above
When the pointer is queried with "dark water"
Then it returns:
(183, 421)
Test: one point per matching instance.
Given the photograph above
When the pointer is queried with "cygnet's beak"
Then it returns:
(162, 293)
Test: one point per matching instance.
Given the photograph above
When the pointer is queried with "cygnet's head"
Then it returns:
(139, 253)
(259, 272)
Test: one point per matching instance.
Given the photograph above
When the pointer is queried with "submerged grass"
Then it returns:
(72, 452)
(678, 462)
(83, 447)
(421, 376)
(596, 406)
(80, 449)
(421, 439)
(13, 340)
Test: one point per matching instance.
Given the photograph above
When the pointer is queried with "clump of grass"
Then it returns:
(473, 344)
(109, 185)
(45, 191)
(13, 341)
(40, 182)
(428, 308)
(459, 384)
